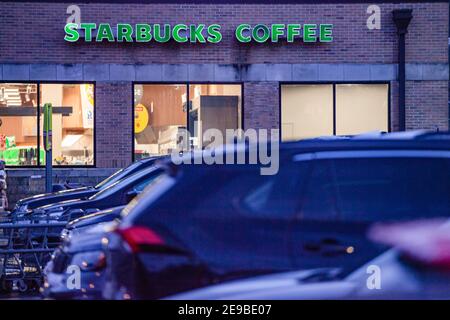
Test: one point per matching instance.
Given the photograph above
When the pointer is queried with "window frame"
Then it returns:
(186, 84)
(333, 84)
(38, 118)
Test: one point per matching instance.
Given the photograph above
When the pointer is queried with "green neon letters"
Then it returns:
(143, 33)
(197, 33)
(72, 34)
(105, 32)
(124, 32)
(309, 33)
(240, 33)
(293, 30)
(176, 33)
(214, 35)
(261, 33)
(88, 28)
(326, 33)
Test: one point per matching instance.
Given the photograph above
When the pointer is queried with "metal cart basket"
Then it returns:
(25, 248)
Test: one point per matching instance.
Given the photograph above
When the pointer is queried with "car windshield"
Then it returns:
(116, 176)
(110, 188)
(153, 190)
(148, 175)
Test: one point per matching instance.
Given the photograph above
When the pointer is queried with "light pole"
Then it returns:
(48, 146)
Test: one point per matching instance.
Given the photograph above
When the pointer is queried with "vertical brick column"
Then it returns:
(113, 118)
(261, 105)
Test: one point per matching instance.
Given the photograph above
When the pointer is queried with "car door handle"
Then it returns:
(329, 241)
(313, 247)
(327, 246)
(316, 245)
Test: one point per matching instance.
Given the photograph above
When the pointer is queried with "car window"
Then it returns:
(143, 184)
(229, 192)
(109, 180)
(244, 192)
(124, 183)
(231, 208)
(319, 200)
(117, 176)
(276, 196)
(378, 189)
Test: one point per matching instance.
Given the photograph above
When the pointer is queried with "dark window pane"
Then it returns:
(228, 192)
(378, 189)
(319, 201)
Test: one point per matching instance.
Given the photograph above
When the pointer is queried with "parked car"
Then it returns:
(81, 252)
(116, 194)
(417, 268)
(81, 247)
(30, 203)
(204, 224)
(79, 225)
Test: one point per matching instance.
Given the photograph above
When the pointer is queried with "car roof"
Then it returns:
(151, 159)
(409, 140)
(420, 139)
(372, 144)
(137, 175)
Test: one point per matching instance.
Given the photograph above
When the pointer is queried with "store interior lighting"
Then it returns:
(70, 139)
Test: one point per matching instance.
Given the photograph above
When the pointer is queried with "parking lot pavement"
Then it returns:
(19, 296)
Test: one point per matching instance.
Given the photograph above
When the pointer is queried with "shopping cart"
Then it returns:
(26, 246)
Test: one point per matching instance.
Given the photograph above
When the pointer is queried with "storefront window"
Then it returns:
(307, 111)
(361, 108)
(162, 115)
(159, 115)
(73, 122)
(213, 106)
(344, 109)
(18, 124)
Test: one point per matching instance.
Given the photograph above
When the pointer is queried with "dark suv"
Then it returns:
(204, 224)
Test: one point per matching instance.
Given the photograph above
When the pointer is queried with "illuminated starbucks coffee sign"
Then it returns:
(196, 33)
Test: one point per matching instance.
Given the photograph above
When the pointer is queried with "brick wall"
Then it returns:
(113, 124)
(33, 33)
(427, 105)
(25, 182)
(261, 105)
(31, 28)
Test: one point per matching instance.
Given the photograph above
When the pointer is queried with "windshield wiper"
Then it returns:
(322, 275)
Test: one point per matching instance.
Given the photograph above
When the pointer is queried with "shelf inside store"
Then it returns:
(14, 111)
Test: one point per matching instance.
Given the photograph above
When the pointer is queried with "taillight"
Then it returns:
(101, 263)
(140, 238)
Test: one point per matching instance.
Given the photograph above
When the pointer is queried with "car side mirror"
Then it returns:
(130, 195)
